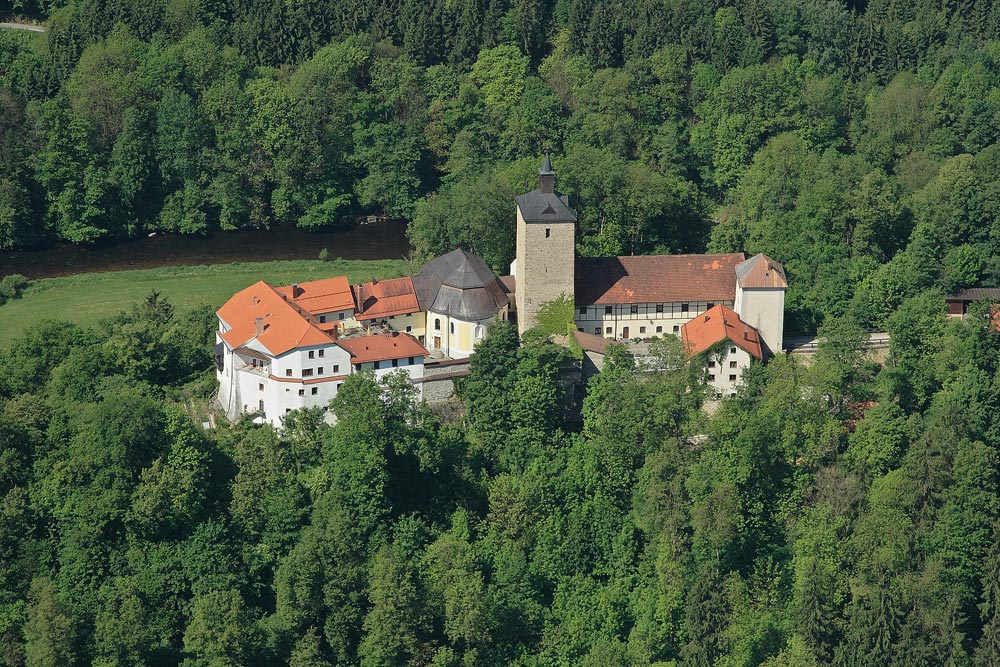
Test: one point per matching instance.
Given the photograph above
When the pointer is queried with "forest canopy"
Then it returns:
(856, 143)
(835, 514)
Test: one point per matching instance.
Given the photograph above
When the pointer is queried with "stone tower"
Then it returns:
(546, 246)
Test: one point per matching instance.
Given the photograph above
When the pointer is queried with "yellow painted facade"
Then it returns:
(453, 337)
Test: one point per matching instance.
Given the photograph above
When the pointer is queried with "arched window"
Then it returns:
(452, 328)
(437, 324)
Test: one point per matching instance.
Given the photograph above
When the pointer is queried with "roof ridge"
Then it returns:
(299, 311)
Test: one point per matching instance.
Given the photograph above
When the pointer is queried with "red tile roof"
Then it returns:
(321, 296)
(283, 326)
(381, 347)
(715, 325)
(656, 278)
(592, 343)
(382, 298)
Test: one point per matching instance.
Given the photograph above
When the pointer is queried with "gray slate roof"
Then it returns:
(459, 284)
(537, 206)
(975, 294)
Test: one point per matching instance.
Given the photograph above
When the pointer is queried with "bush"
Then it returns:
(324, 255)
(11, 287)
(554, 317)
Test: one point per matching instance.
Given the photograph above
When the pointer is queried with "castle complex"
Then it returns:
(283, 348)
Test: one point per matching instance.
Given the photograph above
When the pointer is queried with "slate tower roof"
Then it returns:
(545, 204)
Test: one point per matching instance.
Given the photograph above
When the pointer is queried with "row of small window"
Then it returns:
(437, 326)
(388, 363)
(732, 364)
(302, 392)
(307, 372)
(313, 391)
(340, 316)
(642, 330)
(634, 309)
(711, 377)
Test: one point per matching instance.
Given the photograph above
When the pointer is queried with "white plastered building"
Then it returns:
(279, 349)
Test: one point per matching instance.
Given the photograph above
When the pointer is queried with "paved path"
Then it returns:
(23, 26)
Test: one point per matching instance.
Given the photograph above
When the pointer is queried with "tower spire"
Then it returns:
(546, 176)
(546, 167)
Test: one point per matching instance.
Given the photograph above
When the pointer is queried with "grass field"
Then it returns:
(88, 298)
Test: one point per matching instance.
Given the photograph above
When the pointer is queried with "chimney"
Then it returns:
(254, 301)
(546, 177)
(295, 290)
(706, 317)
(336, 332)
(258, 326)
(374, 280)
(746, 334)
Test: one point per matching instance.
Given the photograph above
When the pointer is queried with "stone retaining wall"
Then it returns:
(438, 381)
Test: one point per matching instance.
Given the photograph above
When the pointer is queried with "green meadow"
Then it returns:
(88, 298)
